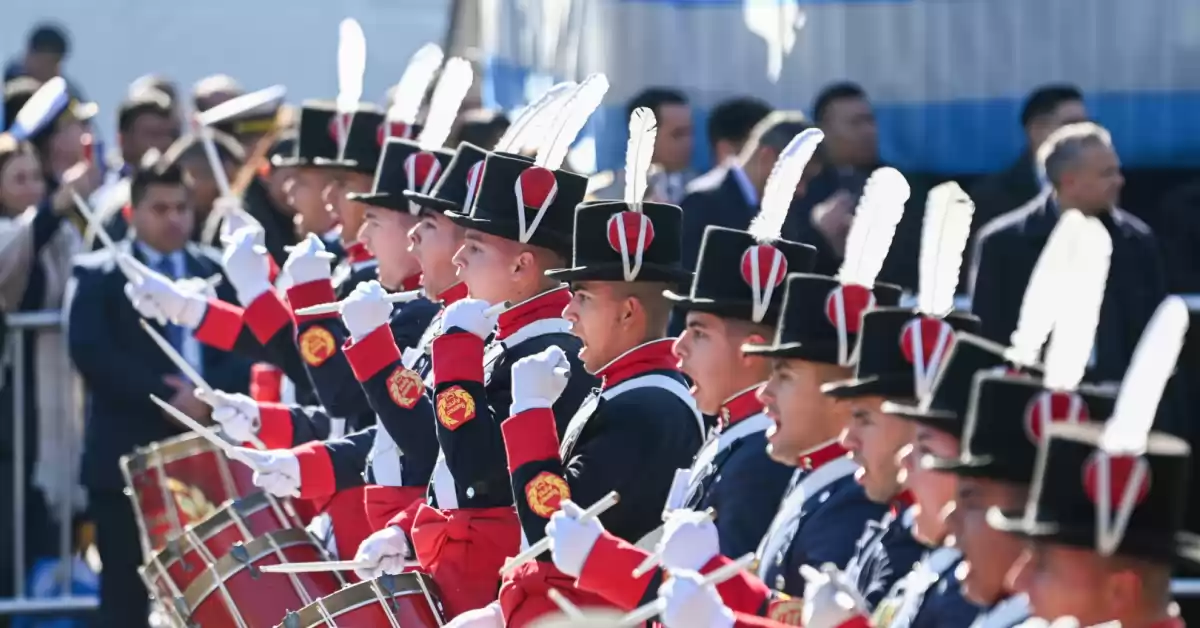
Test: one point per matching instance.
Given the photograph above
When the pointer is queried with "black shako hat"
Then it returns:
(741, 278)
(1006, 420)
(314, 140)
(403, 166)
(519, 201)
(366, 131)
(641, 242)
(900, 351)
(456, 187)
(820, 319)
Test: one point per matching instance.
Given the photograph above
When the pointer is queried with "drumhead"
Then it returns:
(358, 595)
(165, 451)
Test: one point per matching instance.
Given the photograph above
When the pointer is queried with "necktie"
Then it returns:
(174, 333)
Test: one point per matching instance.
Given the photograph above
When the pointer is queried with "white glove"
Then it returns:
(200, 286)
(246, 265)
(539, 379)
(469, 314)
(366, 309)
(386, 550)
(689, 540)
(829, 599)
(489, 616)
(234, 217)
(571, 540)
(237, 414)
(308, 261)
(276, 471)
(691, 603)
(157, 297)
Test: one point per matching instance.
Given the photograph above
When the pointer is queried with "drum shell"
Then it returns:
(411, 597)
(258, 599)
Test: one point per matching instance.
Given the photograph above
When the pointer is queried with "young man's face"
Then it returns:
(1062, 580)
(709, 352)
(932, 491)
(988, 554)
(385, 232)
(146, 131)
(433, 242)
(595, 311)
(163, 218)
(874, 440)
(794, 401)
(349, 213)
(487, 264)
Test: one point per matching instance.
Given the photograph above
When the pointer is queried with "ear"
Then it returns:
(1124, 589)
(525, 262)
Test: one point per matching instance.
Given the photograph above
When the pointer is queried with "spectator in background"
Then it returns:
(211, 91)
(162, 84)
(45, 51)
(672, 149)
(59, 143)
(188, 154)
(1046, 110)
(729, 126)
(1180, 234)
(481, 127)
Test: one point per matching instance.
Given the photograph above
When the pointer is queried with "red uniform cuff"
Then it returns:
(457, 357)
(608, 571)
(372, 354)
(316, 470)
(221, 325)
(530, 435)
(275, 429)
(742, 593)
(266, 315)
(312, 293)
(266, 382)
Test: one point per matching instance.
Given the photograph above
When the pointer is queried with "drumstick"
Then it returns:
(563, 604)
(187, 369)
(122, 263)
(207, 433)
(598, 508)
(652, 560)
(317, 566)
(496, 309)
(335, 307)
(647, 611)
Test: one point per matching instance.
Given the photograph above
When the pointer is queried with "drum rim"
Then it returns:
(412, 578)
(176, 548)
(227, 566)
(170, 450)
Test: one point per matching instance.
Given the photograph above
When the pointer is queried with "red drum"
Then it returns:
(407, 600)
(200, 545)
(234, 593)
(177, 482)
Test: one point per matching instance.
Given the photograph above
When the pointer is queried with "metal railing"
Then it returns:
(21, 604)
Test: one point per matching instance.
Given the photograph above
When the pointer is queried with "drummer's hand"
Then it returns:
(689, 540)
(386, 550)
(829, 599)
(538, 380)
(157, 297)
(237, 414)
(234, 217)
(571, 540)
(691, 603)
(185, 399)
(489, 616)
(276, 471)
(246, 265)
(366, 309)
(470, 315)
(309, 261)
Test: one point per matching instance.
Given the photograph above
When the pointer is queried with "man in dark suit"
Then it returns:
(1082, 168)
(1047, 109)
(122, 367)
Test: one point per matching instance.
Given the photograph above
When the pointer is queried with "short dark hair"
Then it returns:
(776, 131)
(481, 127)
(191, 146)
(654, 98)
(17, 92)
(734, 119)
(1045, 99)
(148, 101)
(844, 90)
(160, 172)
(49, 38)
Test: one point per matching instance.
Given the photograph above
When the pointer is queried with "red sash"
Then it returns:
(463, 551)
(524, 598)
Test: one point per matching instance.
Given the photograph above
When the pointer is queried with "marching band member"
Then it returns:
(899, 353)
(307, 182)
(641, 425)
(1104, 519)
(733, 474)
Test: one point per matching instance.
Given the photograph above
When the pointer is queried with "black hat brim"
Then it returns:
(740, 310)
(1187, 544)
(290, 162)
(349, 165)
(941, 420)
(870, 386)
(386, 201)
(972, 467)
(616, 272)
(503, 229)
(432, 202)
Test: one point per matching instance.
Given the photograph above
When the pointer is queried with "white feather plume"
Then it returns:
(944, 235)
(444, 104)
(1141, 391)
(1074, 332)
(352, 62)
(584, 101)
(524, 129)
(875, 219)
(410, 91)
(643, 130)
(781, 185)
(1040, 304)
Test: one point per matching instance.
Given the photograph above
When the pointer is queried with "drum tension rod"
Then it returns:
(239, 553)
(291, 620)
(181, 608)
(174, 551)
(388, 582)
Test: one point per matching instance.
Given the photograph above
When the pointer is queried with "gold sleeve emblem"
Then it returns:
(786, 609)
(545, 492)
(455, 406)
(316, 345)
(405, 387)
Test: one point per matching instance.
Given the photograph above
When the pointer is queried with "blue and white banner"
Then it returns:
(947, 77)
